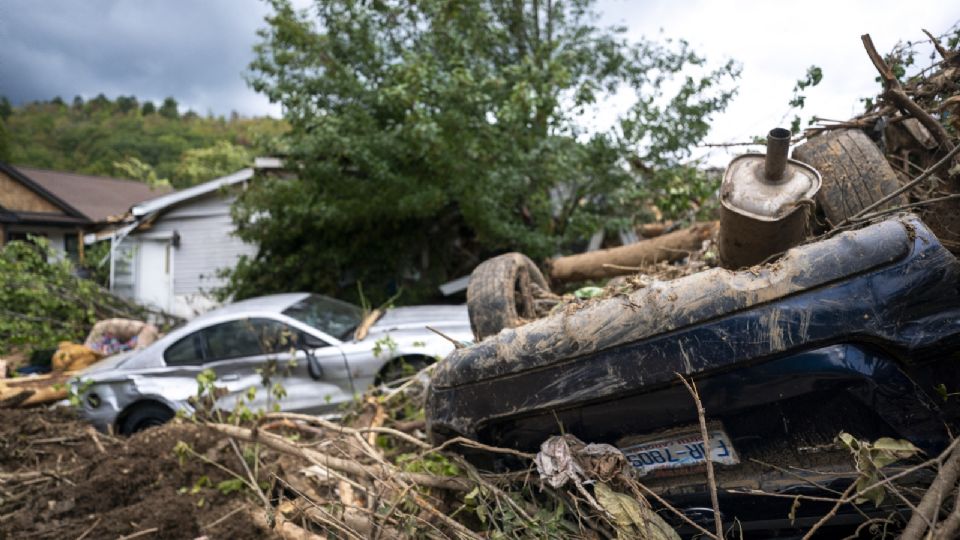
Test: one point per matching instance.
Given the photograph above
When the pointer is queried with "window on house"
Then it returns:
(22, 236)
(71, 245)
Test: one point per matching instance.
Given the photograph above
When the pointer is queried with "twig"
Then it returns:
(731, 144)
(676, 512)
(795, 475)
(138, 534)
(711, 478)
(319, 514)
(222, 519)
(339, 428)
(253, 479)
(474, 444)
(936, 45)
(918, 204)
(456, 344)
(833, 511)
(282, 445)
(96, 440)
(90, 528)
(761, 493)
(390, 511)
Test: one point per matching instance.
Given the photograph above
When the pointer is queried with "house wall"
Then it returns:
(54, 235)
(206, 245)
(17, 197)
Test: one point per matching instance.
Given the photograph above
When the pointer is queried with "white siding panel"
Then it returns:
(207, 243)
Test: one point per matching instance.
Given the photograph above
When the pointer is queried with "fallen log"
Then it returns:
(629, 259)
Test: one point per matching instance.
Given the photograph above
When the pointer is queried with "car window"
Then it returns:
(186, 352)
(249, 337)
(331, 316)
(277, 337)
(234, 339)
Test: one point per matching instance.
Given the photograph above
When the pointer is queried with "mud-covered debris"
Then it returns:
(565, 458)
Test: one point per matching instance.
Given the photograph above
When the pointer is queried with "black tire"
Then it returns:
(404, 366)
(143, 416)
(854, 171)
(500, 293)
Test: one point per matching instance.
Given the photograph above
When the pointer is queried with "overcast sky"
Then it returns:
(198, 50)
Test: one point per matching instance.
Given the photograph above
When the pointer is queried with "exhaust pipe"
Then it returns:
(778, 144)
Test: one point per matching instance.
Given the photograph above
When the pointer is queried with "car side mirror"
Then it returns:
(310, 341)
(307, 343)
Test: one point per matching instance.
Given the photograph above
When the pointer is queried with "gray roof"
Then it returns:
(162, 203)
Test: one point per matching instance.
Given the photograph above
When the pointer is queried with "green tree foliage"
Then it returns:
(431, 134)
(169, 108)
(134, 169)
(125, 139)
(43, 302)
(202, 164)
(4, 142)
(5, 109)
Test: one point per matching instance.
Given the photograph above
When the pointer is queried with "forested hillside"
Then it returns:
(125, 138)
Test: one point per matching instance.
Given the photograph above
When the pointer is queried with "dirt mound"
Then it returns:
(59, 479)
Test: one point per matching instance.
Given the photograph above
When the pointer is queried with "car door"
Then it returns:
(288, 363)
(248, 356)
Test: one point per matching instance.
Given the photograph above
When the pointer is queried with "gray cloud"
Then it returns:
(194, 51)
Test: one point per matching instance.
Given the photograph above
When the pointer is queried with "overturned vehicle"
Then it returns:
(854, 333)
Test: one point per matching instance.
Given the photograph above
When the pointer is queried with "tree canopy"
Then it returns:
(430, 134)
(127, 139)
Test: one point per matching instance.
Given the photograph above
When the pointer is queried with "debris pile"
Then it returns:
(371, 475)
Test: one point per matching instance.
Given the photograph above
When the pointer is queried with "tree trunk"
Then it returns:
(629, 259)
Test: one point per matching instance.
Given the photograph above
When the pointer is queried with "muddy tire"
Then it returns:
(143, 416)
(855, 173)
(500, 294)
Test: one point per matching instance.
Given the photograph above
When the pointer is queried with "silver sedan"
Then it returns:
(305, 342)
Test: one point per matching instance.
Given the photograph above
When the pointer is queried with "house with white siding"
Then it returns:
(170, 252)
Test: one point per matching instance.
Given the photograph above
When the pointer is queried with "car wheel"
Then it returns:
(500, 293)
(399, 368)
(854, 171)
(143, 416)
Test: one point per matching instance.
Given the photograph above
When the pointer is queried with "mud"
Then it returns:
(55, 482)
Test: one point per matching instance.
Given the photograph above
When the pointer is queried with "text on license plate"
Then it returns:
(682, 450)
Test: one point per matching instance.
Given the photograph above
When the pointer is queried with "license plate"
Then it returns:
(680, 451)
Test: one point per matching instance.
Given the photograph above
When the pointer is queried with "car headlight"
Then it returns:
(93, 400)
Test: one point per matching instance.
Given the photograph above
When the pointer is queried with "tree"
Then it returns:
(203, 164)
(126, 104)
(5, 109)
(169, 108)
(429, 134)
(4, 142)
(134, 169)
(91, 139)
(148, 108)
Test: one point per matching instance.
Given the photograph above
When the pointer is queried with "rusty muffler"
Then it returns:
(765, 203)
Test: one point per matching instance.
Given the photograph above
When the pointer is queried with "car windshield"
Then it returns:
(331, 316)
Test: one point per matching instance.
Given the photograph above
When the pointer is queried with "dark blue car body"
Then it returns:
(856, 333)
